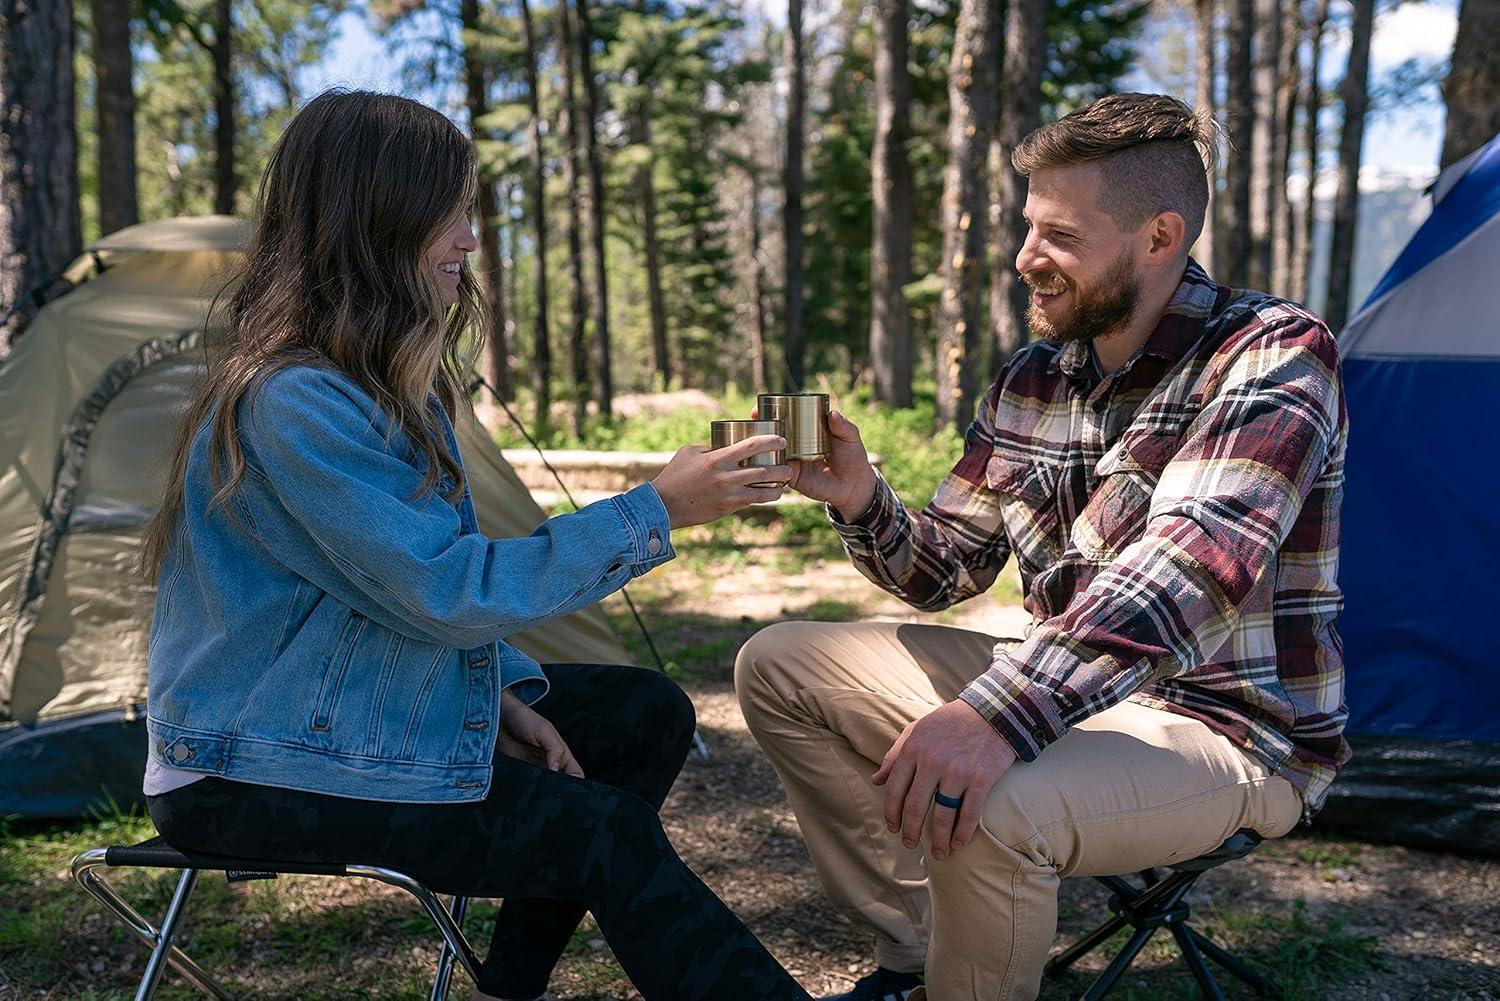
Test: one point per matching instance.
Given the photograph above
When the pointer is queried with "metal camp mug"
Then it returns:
(805, 417)
(725, 433)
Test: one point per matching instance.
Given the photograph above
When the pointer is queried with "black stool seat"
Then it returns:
(1157, 902)
(155, 853)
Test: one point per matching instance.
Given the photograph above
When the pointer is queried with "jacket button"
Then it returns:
(483, 660)
(181, 752)
(653, 544)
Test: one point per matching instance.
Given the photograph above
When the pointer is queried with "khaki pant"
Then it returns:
(1129, 788)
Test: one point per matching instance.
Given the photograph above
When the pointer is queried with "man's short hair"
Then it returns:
(1154, 154)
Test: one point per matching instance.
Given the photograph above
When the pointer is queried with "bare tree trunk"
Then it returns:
(541, 363)
(1312, 105)
(590, 135)
(791, 183)
(1356, 95)
(1239, 110)
(1263, 143)
(1283, 218)
(40, 231)
(571, 127)
(1020, 111)
(971, 103)
(1472, 90)
(476, 87)
(115, 105)
(225, 127)
(890, 174)
(759, 369)
(1203, 15)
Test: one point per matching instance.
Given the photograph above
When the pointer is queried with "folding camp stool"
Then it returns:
(1158, 903)
(157, 854)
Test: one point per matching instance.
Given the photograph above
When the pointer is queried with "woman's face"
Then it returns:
(447, 253)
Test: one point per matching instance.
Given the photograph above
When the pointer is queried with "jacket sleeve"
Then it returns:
(312, 442)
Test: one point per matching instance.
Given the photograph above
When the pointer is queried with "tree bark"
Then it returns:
(541, 363)
(477, 86)
(1356, 95)
(1239, 110)
(115, 105)
(971, 104)
(890, 174)
(40, 232)
(1472, 90)
(1283, 219)
(791, 183)
(578, 343)
(1263, 143)
(1312, 105)
(590, 135)
(1020, 111)
(1203, 16)
(759, 369)
(225, 127)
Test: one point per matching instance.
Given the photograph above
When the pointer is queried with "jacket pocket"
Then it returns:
(335, 670)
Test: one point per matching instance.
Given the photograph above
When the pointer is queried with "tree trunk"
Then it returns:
(971, 110)
(645, 186)
(1239, 110)
(791, 183)
(1203, 15)
(476, 87)
(1020, 111)
(1472, 90)
(541, 363)
(590, 135)
(759, 369)
(224, 108)
(1283, 219)
(1263, 143)
(890, 174)
(40, 231)
(571, 127)
(1312, 105)
(115, 105)
(1356, 95)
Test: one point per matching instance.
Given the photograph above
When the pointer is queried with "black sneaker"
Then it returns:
(882, 985)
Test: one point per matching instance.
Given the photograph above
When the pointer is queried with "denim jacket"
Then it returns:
(342, 638)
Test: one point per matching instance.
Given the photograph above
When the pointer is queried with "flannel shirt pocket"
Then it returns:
(1027, 491)
(1117, 511)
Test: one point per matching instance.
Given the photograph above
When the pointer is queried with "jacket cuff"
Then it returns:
(1023, 712)
(650, 529)
(873, 519)
(523, 676)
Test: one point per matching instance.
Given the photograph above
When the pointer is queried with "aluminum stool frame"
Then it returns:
(165, 952)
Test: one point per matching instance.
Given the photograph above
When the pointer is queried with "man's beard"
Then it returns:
(1097, 311)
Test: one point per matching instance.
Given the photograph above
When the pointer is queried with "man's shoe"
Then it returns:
(882, 985)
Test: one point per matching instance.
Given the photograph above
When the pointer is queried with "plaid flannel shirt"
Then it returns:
(1176, 524)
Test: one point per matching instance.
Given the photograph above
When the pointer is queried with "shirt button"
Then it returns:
(653, 544)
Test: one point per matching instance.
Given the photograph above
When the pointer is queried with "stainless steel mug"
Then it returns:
(805, 418)
(725, 433)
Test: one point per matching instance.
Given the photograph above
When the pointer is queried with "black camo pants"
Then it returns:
(551, 845)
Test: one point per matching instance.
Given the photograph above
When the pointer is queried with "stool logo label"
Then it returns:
(242, 875)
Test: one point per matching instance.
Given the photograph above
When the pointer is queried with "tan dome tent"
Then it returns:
(90, 397)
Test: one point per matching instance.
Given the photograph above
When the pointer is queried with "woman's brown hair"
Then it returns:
(358, 188)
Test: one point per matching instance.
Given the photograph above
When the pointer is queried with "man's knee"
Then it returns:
(764, 663)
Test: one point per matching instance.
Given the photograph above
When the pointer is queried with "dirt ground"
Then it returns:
(1327, 917)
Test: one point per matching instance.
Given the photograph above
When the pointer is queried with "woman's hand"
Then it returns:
(699, 485)
(524, 734)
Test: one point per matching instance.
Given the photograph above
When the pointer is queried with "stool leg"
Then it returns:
(1121, 962)
(1085, 945)
(160, 955)
(440, 983)
(1231, 963)
(1195, 963)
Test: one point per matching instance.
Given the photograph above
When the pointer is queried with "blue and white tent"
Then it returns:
(1420, 561)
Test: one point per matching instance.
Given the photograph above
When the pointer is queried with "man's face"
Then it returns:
(1081, 268)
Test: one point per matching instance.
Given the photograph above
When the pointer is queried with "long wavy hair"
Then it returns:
(357, 190)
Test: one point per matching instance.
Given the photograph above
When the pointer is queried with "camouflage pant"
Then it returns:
(551, 845)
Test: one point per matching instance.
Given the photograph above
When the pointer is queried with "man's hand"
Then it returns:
(526, 735)
(845, 479)
(952, 750)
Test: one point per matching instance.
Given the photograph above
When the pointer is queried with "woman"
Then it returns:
(328, 673)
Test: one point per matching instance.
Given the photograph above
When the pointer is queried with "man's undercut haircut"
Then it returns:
(1154, 153)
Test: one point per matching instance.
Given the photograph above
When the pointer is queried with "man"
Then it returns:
(1166, 466)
